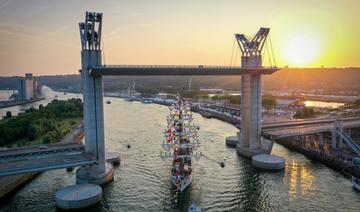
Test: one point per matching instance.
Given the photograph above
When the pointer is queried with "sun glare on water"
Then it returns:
(301, 50)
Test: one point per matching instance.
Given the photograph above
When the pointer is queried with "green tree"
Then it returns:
(8, 114)
(31, 132)
(35, 123)
(46, 139)
(305, 113)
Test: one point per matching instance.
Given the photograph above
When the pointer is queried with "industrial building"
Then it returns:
(27, 87)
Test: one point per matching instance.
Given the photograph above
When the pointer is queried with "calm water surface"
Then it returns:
(142, 180)
(46, 92)
(309, 103)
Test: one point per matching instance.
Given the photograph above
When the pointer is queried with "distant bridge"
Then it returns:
(298, 128)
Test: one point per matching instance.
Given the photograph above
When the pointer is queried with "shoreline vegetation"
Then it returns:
(269, 102)
(45, 125)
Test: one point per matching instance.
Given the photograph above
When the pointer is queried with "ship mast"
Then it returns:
(181, 140)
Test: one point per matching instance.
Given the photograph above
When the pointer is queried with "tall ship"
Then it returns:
(180, 144)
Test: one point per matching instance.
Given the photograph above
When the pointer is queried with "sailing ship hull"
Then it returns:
(186, 182)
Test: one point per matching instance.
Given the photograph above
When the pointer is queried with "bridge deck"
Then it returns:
(286, 132)
(163, 70)
(33, 159)
(293, 123)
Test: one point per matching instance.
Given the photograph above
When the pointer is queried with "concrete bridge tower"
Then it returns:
(249, 139)
(92, 88)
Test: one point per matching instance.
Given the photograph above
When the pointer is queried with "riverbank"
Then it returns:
(5, 104)
(336, 163)
(10, 184)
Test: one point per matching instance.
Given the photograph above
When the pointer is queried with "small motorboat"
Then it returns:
(356, 182)
(194, 208)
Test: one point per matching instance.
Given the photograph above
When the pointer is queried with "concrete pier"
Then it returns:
(231, 141)
(83, 175)
(92, 88)
(78, 196)
(251, 109)
(268, 162)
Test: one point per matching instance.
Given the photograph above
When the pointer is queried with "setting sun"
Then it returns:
(301, 50)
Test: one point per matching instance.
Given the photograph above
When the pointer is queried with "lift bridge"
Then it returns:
(91, 156)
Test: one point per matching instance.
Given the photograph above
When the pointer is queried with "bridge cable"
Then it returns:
(236, 53)
(232, 53)
(103, 52)
(267, 52)
(272, 51)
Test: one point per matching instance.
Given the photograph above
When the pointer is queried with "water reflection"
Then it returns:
(309, 103)
(300, 180)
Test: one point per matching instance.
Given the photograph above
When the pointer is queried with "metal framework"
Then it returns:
(253, 46)
(90, 31)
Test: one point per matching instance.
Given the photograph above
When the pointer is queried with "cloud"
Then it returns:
(16, 29)
(4, 4)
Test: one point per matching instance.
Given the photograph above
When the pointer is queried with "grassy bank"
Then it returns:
(41, 126)
(64, 126)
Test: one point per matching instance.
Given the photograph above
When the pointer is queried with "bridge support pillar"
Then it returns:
(336, 139)
(92, 88)
(321, 139)
(333, 138)
(250, 139)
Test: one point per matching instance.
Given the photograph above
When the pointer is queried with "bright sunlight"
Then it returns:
(301, 50)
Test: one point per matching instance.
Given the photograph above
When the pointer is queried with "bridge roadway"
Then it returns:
(298, 129)
(304, 122)
(36, 159)
(165, 70)
(297, 122)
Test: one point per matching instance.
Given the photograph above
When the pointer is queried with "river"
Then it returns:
(322, 104)
(47, 93)
(142, 180)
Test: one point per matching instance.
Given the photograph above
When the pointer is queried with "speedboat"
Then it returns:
(356, 182)
(194, 208)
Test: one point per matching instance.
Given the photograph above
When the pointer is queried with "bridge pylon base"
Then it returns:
(268, 162)
(247, 152)
(231, 141)
(84, 176)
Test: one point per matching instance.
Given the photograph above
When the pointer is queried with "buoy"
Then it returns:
(222, 164)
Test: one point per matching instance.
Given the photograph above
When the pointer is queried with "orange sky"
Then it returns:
(42, 36)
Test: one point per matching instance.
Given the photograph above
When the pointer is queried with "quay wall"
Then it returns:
(336, 163)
